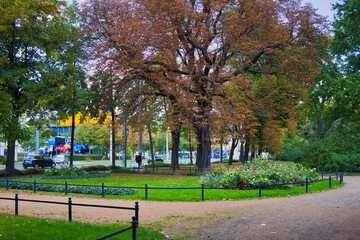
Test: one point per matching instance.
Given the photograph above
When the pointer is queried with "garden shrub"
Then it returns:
(89, 175)
(123, 170)
(83, 157)
(342, 162)
(65, 171)
(70, 189)
(249, 175)
(95, 168)
(2, 160)
(16, 172)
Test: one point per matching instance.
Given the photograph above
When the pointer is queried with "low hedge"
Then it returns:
(95, 168)
(15, 172)
(70, 188)
(84, 157)
(123, 170)
(89, 175)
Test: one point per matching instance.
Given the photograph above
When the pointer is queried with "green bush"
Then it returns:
(70, 189)
(65, 171)
(16, 172)
(123, 170)
(89, 175)
(2, 160)
(95, 168)
(343, 161)
(158, 164)
(84, 157)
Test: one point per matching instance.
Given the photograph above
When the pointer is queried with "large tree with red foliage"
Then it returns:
(189, 50)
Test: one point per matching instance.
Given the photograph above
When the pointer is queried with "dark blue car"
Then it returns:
(38, 161)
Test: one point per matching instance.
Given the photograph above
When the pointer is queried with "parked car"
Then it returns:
(37, 161)
(156, 159)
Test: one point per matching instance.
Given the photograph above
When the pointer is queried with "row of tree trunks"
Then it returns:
(234, 143)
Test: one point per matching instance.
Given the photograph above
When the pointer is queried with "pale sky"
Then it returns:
(324, 6)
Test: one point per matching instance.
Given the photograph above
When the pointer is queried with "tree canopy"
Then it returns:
(191, 51)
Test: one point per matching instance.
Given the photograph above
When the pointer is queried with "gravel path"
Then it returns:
(331, 214)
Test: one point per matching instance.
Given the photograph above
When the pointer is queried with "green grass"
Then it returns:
(176, 181)
(28, 228)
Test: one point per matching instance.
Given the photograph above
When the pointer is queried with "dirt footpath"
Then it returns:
(331, 214)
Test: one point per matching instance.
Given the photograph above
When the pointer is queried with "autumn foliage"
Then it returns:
(239, 64)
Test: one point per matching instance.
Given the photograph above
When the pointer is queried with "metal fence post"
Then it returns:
(134, 225)
(202, 192)
(306, 182)
(259, 189)
(7, 184)
(16, 204)
(66, 188)
(146, 192)
(330, 181)
(322, 174)
(70, 209)
(341, 178)
(34, 185)
(137, 212)
(336, 175)
(102, 190)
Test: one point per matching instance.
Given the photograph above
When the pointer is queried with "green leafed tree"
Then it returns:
(25, 36)
(63, 89)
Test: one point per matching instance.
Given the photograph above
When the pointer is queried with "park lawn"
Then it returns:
(30, 228)
(177, 181)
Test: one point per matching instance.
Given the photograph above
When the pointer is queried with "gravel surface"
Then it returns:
(333, 214)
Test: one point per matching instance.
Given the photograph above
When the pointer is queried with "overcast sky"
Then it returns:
(324, 6)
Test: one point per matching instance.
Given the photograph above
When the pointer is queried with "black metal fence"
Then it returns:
(70, 204)
(179, 170)
(261, 186)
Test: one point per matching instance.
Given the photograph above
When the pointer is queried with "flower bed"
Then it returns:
(249, 175)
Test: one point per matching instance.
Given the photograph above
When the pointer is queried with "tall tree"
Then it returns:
(24, 37)
(196, 40)
(63, 89)
(347, 31)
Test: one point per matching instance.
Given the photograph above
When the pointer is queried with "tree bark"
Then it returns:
(242, 154)
(175, 141)
(113, 138)
(190, 146)
(253, 152)
(221, 152)
(234, 143)
(151, 145)
(203, 155)
(10, 156)
(72, 140)
(247, 148)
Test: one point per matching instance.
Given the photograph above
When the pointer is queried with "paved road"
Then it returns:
(332, 214)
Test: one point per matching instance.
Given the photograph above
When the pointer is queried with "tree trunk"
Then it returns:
(247, 148)
(253, 152)
(242, 154)
(72, 140)
(10, 155)
(234, 143)
(175, 141)
(151, 145)
(190, 146)
(124, 141)
(221, 152)
(203, 155)
(113, 138)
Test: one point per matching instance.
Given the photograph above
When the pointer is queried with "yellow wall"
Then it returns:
(80, 120)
